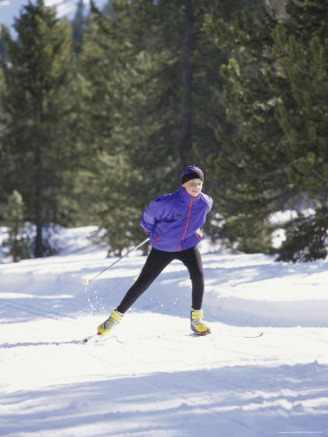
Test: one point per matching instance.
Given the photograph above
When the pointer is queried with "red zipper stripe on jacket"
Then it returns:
(188, 220)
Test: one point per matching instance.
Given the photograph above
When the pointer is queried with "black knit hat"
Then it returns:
(191, 172)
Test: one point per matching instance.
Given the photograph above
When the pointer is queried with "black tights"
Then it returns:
(156, 262)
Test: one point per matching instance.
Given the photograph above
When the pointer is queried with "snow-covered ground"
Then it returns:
(152, 378)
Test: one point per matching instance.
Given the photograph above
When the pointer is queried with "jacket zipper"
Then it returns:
(187, 224)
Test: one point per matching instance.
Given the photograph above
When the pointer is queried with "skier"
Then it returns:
(172, 222)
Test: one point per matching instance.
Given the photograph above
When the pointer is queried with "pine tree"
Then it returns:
(275, 86)
(79, 23)
(153, 105)
(39, 106)
(302, 47)
(18, 240)
(106, 64)
(3, 160)
(3, 51)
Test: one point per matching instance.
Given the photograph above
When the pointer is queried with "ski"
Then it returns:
(200, 334)
(95, 338)
(254, 336)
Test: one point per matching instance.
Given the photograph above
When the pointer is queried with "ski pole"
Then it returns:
(86, 281)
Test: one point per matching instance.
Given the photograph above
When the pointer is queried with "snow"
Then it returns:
(152, 377)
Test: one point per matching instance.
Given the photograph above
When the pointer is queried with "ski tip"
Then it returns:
(92, 337)
(254, 336)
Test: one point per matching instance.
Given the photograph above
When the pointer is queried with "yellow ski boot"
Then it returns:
(196, 323)
(113, 320)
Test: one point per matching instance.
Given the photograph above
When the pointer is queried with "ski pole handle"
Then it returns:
(85, 281)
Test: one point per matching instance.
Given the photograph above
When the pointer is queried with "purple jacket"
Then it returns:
(172, 221)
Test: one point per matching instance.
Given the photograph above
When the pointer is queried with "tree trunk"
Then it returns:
(188, 45)
(38, 250)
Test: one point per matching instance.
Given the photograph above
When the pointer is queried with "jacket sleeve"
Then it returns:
(151, 216)
(209, 202)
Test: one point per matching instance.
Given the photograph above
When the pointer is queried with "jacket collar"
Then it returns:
(187, 197)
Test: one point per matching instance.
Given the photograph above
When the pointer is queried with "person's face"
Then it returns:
(193, 187)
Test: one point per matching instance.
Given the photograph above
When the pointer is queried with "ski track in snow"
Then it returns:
(152, 377)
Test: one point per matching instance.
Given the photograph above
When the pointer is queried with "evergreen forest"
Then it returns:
(99, 116)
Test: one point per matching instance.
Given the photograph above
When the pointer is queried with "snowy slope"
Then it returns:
(152, 378)
(10, 9)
